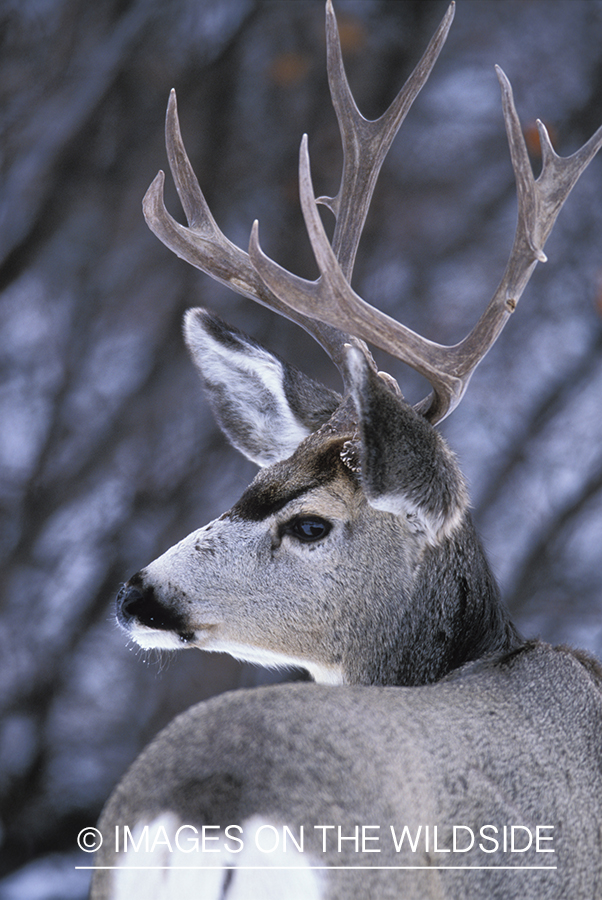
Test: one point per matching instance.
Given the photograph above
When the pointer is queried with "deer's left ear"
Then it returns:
(406, 467)
(264, 406)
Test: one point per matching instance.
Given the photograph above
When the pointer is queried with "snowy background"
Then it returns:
(108, 452)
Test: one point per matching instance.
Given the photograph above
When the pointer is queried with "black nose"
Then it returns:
(130, 603)
(137, 602)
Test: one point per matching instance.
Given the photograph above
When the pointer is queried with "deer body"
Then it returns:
(352, 554)
(491, 745)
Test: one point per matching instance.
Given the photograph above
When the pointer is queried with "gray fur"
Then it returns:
(490, 745)
(407, 467)
(397, 593)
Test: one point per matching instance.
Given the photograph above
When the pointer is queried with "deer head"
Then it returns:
(352, 552)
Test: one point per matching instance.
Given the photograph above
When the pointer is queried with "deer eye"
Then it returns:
(308, 528)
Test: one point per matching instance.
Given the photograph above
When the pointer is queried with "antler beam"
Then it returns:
(366, 142)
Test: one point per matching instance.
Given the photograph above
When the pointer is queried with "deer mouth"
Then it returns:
(151, 637)
(195, 638)
(187, 637)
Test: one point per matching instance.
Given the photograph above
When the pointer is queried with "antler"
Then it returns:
(449, 369)
(328, 308)
(365, 145)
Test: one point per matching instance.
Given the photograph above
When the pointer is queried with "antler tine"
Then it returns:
(366, 142)
(448, 369)
(204, 245)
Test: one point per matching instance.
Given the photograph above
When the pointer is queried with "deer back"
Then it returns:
(498, 768)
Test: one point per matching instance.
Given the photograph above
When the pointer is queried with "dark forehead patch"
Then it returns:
(308, 468)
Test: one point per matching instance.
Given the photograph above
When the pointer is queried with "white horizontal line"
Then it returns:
(293, 868)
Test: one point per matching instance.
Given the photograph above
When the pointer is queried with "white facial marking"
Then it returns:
(434, 528)
(155, 639)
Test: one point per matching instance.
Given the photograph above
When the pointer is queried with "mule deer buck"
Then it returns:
(440, 754)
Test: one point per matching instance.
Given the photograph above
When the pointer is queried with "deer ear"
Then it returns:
(406, 467)
(264, 406)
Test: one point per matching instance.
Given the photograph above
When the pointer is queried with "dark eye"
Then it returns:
(308, 528)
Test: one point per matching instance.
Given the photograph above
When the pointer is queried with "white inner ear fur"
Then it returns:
(253, 381)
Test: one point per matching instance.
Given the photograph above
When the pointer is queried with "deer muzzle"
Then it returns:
(137, 605)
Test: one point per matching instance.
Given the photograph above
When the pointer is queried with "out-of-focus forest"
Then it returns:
(108, 452)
